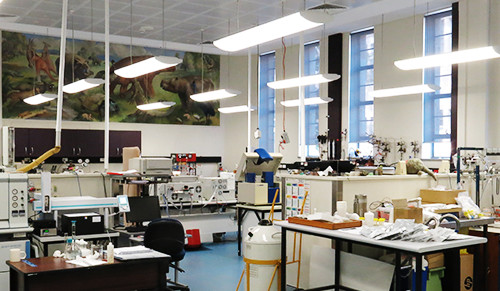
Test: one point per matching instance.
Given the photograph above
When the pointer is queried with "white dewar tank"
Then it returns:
(262, 253)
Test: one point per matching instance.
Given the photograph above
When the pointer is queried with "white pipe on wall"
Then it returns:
(62, 62)
(249, 102)
(106, 88)
(302, 108)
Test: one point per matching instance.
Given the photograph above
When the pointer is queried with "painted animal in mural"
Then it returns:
(47, 59)
(127, 86)
(75, 68)
(187, 86)
(39, 62)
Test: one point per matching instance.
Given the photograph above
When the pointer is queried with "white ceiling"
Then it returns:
(184, 20)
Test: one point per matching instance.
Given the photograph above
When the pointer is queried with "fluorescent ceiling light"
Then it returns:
(40, 98)
(407, 90)
(307, 101)
(235, 109)
(275, 29)
(147, 66)
(215, 95)
(82, 85)
(303, 81)
(457, 57)
(156, 105)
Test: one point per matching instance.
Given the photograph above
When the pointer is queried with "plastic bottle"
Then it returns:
(110, 251)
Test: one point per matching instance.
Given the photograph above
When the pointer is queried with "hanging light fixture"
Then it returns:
(82, 85)
(146, 66)
(303, 81)
(156, 105)
(216, 94)
(307, 101)
(457, 57)
(40, 98)
(236, 109)
(407, 90)
(88, 83)
(161, 104)
(404, 90)
(278, 28)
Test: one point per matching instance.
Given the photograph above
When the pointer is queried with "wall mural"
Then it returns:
(30, 65)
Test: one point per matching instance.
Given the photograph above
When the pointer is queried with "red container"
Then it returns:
(193, 236)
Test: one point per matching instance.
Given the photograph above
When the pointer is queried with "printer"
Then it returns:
(152, 166)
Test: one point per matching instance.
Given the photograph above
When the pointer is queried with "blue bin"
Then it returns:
(250, 177)
(425, 276)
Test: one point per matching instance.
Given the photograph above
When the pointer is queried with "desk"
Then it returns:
(242, 210)
(418, 250)
(55, 274)
(47, 240)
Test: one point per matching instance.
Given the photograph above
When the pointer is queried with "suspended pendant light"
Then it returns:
(156, 105)
(212, 95)
(307, 101)
(88, 83)
(278, 28)
(236, 109)
(303, 81)
(40, 98)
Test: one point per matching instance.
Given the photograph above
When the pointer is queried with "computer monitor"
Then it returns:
(142, 209)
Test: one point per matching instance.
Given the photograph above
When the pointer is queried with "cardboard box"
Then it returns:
(435, 260)
(439, 196)
(466, 272)
(408, 213)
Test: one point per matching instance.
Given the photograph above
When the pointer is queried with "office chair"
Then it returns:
(167, 236)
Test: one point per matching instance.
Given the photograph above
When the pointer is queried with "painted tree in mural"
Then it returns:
(30, 66)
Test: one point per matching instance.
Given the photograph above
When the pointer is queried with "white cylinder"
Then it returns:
(369, 218)
(342, 208)
(264, 244)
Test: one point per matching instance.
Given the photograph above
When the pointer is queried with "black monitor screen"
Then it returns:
(143, 209)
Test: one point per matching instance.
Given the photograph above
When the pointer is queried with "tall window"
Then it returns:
(361, 84)
(267, 72)
(311, 67)
(437, 105)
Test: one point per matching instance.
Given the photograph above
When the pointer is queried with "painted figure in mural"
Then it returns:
(40, 63)
(127, 86)
(75, 68)
(187, 86)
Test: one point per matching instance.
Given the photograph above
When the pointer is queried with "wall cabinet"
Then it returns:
(75, 143)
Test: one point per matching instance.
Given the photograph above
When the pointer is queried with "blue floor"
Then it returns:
(214, 267)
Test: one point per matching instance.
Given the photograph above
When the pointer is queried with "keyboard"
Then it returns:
(134, 252)
(136, 228)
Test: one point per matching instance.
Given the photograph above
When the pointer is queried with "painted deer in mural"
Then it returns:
(40, 63)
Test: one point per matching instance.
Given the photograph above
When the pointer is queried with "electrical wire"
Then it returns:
(78, 180)
(104, 184)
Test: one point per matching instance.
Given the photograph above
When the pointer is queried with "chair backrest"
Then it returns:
(167, 236)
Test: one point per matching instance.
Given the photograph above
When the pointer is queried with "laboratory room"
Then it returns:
(250, 145)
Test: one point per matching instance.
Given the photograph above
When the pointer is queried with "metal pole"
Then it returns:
(106, 92)
(302, 110)
(62, 61)
(249, 102)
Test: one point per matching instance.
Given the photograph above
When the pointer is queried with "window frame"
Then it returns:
(356, 105)
(312, 111)
(430, 75)
(268, 129)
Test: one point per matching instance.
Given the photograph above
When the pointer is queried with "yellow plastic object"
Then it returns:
(40, 159)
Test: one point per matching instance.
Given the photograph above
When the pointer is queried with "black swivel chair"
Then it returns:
(167, 236)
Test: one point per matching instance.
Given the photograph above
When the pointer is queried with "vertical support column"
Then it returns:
(62, 58)
(249, 102)
(335, 92)
(106, 86)
(283, 259)
(302, 109)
